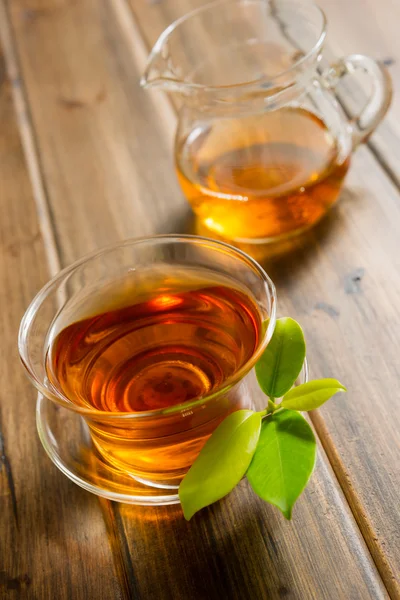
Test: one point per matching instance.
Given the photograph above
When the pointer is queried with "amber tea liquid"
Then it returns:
(163, 345)
(261, 177)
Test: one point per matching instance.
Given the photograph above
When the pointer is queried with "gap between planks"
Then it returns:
(24, 122)
(356, 507)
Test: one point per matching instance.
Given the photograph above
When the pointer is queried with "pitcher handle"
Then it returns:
(366, 121)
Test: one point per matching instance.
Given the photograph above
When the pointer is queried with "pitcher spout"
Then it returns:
(156, 73)
(160, 70)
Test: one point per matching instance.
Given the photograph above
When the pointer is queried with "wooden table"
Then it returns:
(85, 160)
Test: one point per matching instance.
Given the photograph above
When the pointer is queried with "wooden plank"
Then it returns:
(107, 163)
(322, 286)
(346, 297)
(109, 174)
(53, 542)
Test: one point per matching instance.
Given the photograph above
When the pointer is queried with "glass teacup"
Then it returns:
(151, 342)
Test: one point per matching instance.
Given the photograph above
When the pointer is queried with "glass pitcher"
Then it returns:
(262, 144)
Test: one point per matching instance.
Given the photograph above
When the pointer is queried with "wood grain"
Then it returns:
(52, 533)
(344, 288)
(104, 144)
(105, 150)
(346, 297)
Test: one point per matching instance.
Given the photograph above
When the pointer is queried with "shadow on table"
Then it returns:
(215, 555)
(288, 257)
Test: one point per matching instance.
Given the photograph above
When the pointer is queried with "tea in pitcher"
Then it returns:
(173, 339)
(263, 176)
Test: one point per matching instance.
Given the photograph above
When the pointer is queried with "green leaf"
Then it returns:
(312, 394)
(282, 360)
(222, 462)
(284, 459)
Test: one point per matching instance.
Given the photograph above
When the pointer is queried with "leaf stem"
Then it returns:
(271, 407)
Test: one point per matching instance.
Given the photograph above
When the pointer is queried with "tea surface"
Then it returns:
(156, 353)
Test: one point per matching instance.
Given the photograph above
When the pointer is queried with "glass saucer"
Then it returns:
(66, 439)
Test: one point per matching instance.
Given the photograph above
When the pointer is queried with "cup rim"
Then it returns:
(184, 406)
(186, 85)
